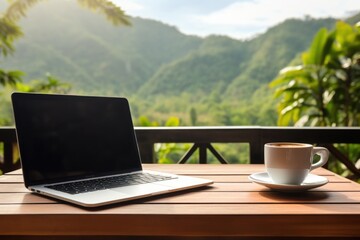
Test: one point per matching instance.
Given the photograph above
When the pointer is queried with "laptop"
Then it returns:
(83, 150)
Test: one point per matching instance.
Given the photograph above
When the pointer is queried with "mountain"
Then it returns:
(239, 66)
(81, 47)
(353, 19)
(215, 63)
(223, 81)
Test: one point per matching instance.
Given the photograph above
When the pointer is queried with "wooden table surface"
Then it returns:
(232, 207)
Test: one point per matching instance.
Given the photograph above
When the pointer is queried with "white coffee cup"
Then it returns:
(290, 163)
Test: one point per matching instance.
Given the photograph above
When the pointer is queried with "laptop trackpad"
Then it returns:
(142, 189)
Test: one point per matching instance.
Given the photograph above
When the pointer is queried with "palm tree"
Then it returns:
(304, 88)
(325, 89)
(345, 61)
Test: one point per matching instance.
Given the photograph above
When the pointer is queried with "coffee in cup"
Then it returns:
(290, 163)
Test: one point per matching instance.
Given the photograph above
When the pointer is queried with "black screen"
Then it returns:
(64, 137)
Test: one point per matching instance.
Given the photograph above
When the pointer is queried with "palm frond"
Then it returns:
(10, 78)
(17, 9)
(112, 12)
(9, 31)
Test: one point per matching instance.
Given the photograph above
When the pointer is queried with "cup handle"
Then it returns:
(324, 156)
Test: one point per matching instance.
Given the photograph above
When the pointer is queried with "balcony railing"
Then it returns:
(203, 139)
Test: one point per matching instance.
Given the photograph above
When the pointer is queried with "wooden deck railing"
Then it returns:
(204, 137)
(9, 155)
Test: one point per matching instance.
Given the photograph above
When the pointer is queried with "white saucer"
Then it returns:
(311, 181)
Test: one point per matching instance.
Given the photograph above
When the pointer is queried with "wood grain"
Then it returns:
(205, 197)
(224, 178)
(232, 207)
(182, 225)
(190, 169)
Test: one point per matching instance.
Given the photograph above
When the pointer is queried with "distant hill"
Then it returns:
(215, 63)
(163, 71)
(273, 51)
(240, 67)
(354, 19)
(83, 48)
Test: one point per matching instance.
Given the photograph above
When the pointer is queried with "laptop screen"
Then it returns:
(63, 137)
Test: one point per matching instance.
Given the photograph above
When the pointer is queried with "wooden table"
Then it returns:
(233, 207)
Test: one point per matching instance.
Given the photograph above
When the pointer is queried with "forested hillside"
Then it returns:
(239, 67)
(83, 48)
(222, 81)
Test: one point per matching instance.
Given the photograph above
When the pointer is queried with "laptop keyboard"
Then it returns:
(108, 182)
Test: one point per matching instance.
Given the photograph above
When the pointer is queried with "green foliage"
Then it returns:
(17, 9)
(6, 116)
(10, 77)
(199, 71)
(325, 89)
(302, 95)
(211, 81)
(50, 85)
(9, 32)
(9, 29)
(99, 57)
(172, 152)
(172, 122)
(193, 116)
(164, 72)
(352, 151)
(166, 152)
(319, 48)
(145, 122)
(272, 51)
(113, 13)
(224, 76)
(345, 62)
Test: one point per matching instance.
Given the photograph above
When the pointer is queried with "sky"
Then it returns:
(238, 19)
